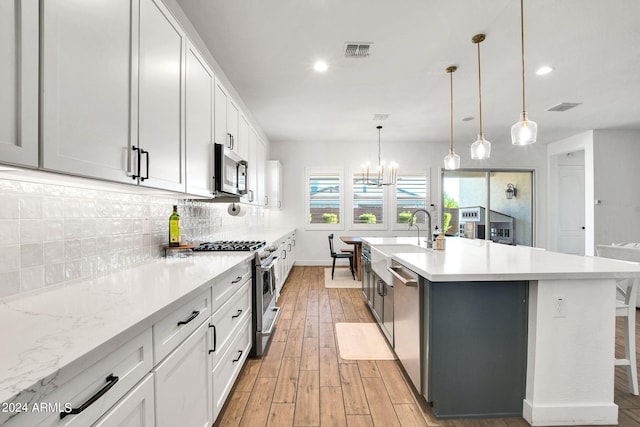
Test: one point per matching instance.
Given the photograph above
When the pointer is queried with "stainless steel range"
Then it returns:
(265, 312)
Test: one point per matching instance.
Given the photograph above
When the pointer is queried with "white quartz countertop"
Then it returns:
(46, 331)
(481, 260)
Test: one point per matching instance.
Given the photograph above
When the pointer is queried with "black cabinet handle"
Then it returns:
(239, 356)
(137, 174)
(193, 315)
(236, 280)
(284, 253)
(111, 381)
(237, 314)
(229, 140)
(143, 152)
(215, 338)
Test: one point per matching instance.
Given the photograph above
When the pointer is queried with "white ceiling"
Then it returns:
(267, 49)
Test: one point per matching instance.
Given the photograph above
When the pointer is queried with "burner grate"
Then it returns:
(230, 245)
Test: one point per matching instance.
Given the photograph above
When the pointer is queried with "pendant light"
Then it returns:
(481, 149)
(452, 160)
(524, 132)
(384, 175)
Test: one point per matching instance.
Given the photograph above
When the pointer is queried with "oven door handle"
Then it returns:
(271, 264)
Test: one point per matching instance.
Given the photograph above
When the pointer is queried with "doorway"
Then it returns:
(489, 204)
(569, 199)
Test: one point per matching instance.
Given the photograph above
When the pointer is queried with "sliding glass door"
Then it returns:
(489, 204)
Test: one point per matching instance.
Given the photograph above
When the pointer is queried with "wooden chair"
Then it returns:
(335, 255)
(626, 308)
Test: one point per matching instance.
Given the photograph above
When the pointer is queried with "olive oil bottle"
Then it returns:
(174, 227)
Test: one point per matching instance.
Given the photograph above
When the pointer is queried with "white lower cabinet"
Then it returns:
(226, 371)
(183, 384)
(136, 409)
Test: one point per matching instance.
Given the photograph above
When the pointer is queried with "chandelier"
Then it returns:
(384, 175)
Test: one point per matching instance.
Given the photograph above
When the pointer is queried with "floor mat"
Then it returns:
(342, 278)
(362, 341)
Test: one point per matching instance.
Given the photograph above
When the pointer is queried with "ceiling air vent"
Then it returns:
(357, 50)
(564, 106)
(380, 117)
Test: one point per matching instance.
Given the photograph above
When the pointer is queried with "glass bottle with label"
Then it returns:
(174, 227)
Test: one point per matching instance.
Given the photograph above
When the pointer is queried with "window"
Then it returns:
(410, 193)
(324, 199)
(368, 204)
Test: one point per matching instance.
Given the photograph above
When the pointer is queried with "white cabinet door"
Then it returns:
(275, 184)
(261, 158)
(135, 409)
(87, 115)
(19, 81)
(183, 387)
(161, 59)
(199, 124)
(232, 123)
(220, 116)
(242, 143)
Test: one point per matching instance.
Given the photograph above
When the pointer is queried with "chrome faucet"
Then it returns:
(412, 223)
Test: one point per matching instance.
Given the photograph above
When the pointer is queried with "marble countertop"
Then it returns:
(48, 330)
(481, 260)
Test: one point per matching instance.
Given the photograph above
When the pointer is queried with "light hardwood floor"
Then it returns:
(303, 381)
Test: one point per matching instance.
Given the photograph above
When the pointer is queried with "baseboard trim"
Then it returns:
(567, 415)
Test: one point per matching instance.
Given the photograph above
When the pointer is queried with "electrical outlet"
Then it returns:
(559, 307)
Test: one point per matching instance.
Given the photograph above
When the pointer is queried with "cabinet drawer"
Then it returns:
(169, 332)
(96, 388)
(225, 374)
(135, 409)
(228, 284)
(225, 322)
(183, 384)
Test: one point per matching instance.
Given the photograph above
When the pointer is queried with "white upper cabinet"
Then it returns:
(261, 160)
(87, 114)
(19, 80)
(161, 85)
(242, 144)
(221, 136)
(199, 124)
(227, 122)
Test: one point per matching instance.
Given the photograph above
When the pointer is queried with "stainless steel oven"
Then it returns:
(265, 312)
(264, 300)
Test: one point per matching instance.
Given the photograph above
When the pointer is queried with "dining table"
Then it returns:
(357, 251)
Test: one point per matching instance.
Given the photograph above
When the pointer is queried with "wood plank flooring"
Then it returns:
(302, 381)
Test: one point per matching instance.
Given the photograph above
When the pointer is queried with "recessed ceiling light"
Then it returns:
(320, 66)
(545, 69)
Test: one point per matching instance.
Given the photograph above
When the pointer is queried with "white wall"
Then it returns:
(617, 176)
(296, 156)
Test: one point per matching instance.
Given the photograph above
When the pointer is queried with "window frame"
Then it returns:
(384, 225)
(309, 172)
(393, 205)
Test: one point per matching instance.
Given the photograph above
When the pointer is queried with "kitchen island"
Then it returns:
(569, 324)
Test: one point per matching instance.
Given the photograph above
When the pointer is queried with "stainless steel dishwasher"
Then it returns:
(407, 321)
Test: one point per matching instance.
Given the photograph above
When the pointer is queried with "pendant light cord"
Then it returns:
(480, 89)
(451, 114)
(522, 42)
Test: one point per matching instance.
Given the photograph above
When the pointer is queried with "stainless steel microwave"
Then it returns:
(230, 172)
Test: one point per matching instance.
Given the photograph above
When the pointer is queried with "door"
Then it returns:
(88, 123)
(570, 214)
(220, 116)
(183, 386)
(19, 80)
(199, 124)
(242, 141)
(161, 85)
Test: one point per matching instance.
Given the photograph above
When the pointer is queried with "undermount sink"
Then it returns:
(381, 258)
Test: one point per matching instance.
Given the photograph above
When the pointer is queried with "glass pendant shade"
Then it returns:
(452, 161)
(481, 149)
(524, 132)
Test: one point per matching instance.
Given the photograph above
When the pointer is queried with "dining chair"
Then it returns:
(341, 255)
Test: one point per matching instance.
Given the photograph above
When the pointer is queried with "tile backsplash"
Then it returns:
(50, 233)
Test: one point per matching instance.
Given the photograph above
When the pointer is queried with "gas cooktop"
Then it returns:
(231, 245)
